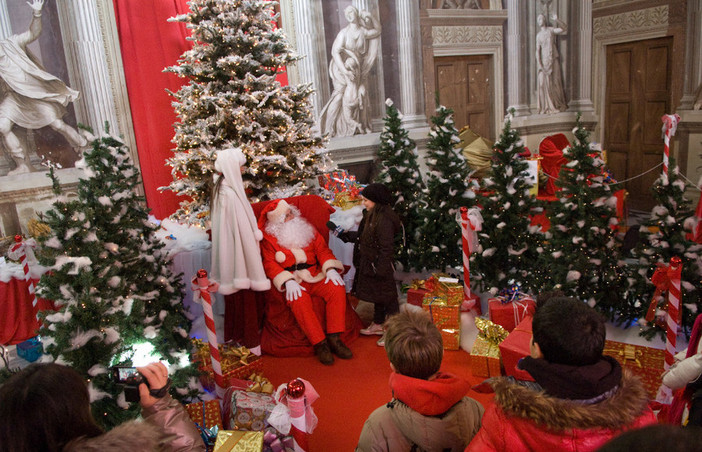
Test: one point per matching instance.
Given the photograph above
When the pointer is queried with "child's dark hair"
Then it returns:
(413, 344)
(569, 332)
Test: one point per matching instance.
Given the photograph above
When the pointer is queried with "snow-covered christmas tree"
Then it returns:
(508, 245)
(399, 171)
(663, 236)
(448, 188)
(233, 99)
(582, 252)
(110, 279)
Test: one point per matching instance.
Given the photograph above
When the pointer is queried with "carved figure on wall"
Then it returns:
(459, 4)
(550, 93)
(354, 51)
(30, 97)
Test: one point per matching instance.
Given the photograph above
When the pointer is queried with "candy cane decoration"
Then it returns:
(203, 289)
(22, 250)
(673, 319)
(670, 123)
(469, 226)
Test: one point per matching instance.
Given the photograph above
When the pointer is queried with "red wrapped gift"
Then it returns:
(415, 296)
(231, 371)
(646, 362)
(205, 414)
(510, 313)
(516, 347)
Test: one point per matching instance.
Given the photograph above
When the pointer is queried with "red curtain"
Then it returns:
(149, 44)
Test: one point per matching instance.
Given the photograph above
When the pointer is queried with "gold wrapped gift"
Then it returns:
(346, 200)
(485, 358)
(451, 338)
(238, 441)
(452, 290)
(443, 315)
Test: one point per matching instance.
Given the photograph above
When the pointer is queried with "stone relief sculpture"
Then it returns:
(354, 52)
(30, 97)
(458, 4)
(550, 93)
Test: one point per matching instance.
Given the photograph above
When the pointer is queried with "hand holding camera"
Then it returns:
(146, 384)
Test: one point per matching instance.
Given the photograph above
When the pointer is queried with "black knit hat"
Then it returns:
(378, 193)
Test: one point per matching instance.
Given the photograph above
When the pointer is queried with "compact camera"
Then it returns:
(131, 379)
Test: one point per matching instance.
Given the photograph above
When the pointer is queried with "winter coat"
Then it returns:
(236, 255)
(166, 427)
(523, 419)
(280, 262)
(373, 257)
(433, 415)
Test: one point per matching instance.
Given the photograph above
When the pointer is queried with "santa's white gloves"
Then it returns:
(683, 372)
(293, 290)
(335, 277)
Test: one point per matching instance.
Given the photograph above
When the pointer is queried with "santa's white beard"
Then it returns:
(294, 233)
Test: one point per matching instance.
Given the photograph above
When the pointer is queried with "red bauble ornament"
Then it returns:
(295, 389)
(202, 273)
(18, 238)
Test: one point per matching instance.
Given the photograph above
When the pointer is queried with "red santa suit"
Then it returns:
(308, 267)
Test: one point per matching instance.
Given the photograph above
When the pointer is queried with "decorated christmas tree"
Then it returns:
(399, 171)
(508, 245)
(233, 99)
(118, 301)
(582, 255)
(438, 242)
(664, 236)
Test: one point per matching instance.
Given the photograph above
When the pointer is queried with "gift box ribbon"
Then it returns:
(491, 331)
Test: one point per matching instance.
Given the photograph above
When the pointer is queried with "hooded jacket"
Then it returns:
(524, 419)
(166, 426)
(433, 415)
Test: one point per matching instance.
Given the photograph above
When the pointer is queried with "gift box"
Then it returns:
(451, 338)
(30, 350)
(509, 313)
(416, 296)
(238, 441)
(516, 347)
(646, 362)
(451, 289)
(485, 358)
(206, 414)
(237, 362)
(246, 410)
(443, 315)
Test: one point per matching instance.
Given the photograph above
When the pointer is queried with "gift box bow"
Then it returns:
(510, 294)
(490, 331)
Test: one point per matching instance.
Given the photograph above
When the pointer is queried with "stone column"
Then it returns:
(87, 63)
(693, 47)
(517, 67)
(308, 39)
(376, 81)
(5, 26)
(581, 60)
(409, 61)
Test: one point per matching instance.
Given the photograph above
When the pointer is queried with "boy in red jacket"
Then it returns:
(580, 400)
(429, 410)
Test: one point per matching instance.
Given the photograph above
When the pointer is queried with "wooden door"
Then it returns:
(465, 84)
(637, 95)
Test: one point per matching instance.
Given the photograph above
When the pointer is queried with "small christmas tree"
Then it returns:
(233, 99)
(508, 245)
(111, 281)
(663, 236)
(582, 256)
(399, 171)
(438, 242)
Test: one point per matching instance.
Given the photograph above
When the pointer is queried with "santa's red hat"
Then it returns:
(273, 211)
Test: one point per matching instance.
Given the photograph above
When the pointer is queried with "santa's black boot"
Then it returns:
(337, 347)
(321, 349)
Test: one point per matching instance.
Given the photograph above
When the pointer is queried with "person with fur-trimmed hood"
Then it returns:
(299, 262)
(580, 398)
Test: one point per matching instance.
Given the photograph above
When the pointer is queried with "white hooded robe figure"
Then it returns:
(236, 255)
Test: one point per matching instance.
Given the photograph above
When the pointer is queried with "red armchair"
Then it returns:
(263, 318)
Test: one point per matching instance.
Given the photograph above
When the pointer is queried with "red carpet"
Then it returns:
(351, 389)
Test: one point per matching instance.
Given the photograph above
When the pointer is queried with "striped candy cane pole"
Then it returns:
(467, 228)
(20, 250)
(673, 319)
(203, 288)
(670, 123)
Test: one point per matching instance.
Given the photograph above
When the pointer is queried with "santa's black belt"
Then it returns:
(295, 267)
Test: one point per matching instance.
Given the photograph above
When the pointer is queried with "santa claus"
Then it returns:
(298, 261)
